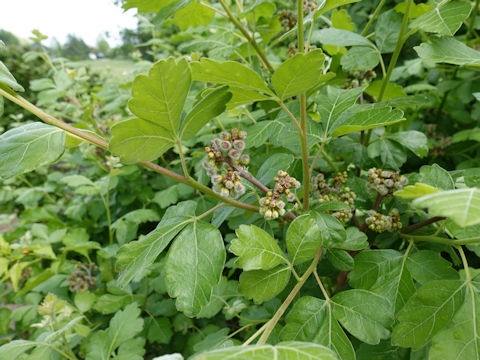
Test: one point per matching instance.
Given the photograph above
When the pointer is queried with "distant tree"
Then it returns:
(75, 48)
(102, 47)
(8, 38)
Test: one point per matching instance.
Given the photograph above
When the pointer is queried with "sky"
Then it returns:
(57, 18)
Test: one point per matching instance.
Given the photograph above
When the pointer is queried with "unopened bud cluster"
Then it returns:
(380, 223)
(386, 182)
(272, 206)
(335, 189)
(358, 78)
(288, 19)
(227, 148)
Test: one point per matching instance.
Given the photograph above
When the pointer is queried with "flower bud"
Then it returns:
(239, 145)
(225, 145)
(240, 188)
(234, 154)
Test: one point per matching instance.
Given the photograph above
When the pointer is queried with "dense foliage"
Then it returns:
(272, 181)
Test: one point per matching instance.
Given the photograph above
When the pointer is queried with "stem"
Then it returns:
(254, 336)
(303, 111)
(213, 8)
(398, 48)
(428, 238)
(473, 15)
(393, 61)
(106, 204)
(182, 159)
(12, 96)
(374, 16)
(250, 38)
(468, 276)
(289, 113)
(273, 321)
(320, 284)
(208, 212)
(328, 160)
(378, 201)
(421, 224)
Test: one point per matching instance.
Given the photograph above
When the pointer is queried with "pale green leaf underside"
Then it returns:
(461, 205)
(256, 249)
(228, 73)
(194, 266)
(298, 74)
(338, 37)
(282, 351)
(303, 239)
(448, 50)
(137, 140)
(445, 19)
(28, 147)
(416, 191)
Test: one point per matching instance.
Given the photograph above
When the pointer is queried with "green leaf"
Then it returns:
(428, 265)
(445, 19)
(383, 272)
(334, 103)
(448, 50)
(368, 119)
(124, 326)
(262, 285)
(205, 110)
(281, 351)
(134, 258)
(14, 349)
(193, 15)
(461, 340)
(145, 6)
(429, 310)
(340, 259)
(338, 37)
(391, 153)
(360, 58)
(137, 140)
(436, 176)
(270, 167)
(416, 191)
(256, 249)
(28, 147)
(229, 73)
(311, 320)
(364, 314)
(387, 30)
(392, 90)
(462, 206)
(168, 10)
(356, 240)
(159, 97)
(298, 74)
(303, 239)
(243, 97)
(415, 141)
(7, 79)
(194, 266)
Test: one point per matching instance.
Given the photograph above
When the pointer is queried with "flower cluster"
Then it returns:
(309, 6)
(272, 206)
(358, 78)
(80, 279)
(385, 182)
(222, 152)
(381, 223)
(335, 189)
(288, 19)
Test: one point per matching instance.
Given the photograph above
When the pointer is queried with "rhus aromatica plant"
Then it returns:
(279, 181)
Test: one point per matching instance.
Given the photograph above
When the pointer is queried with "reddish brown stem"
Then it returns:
(421, 224)
(378, 201)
